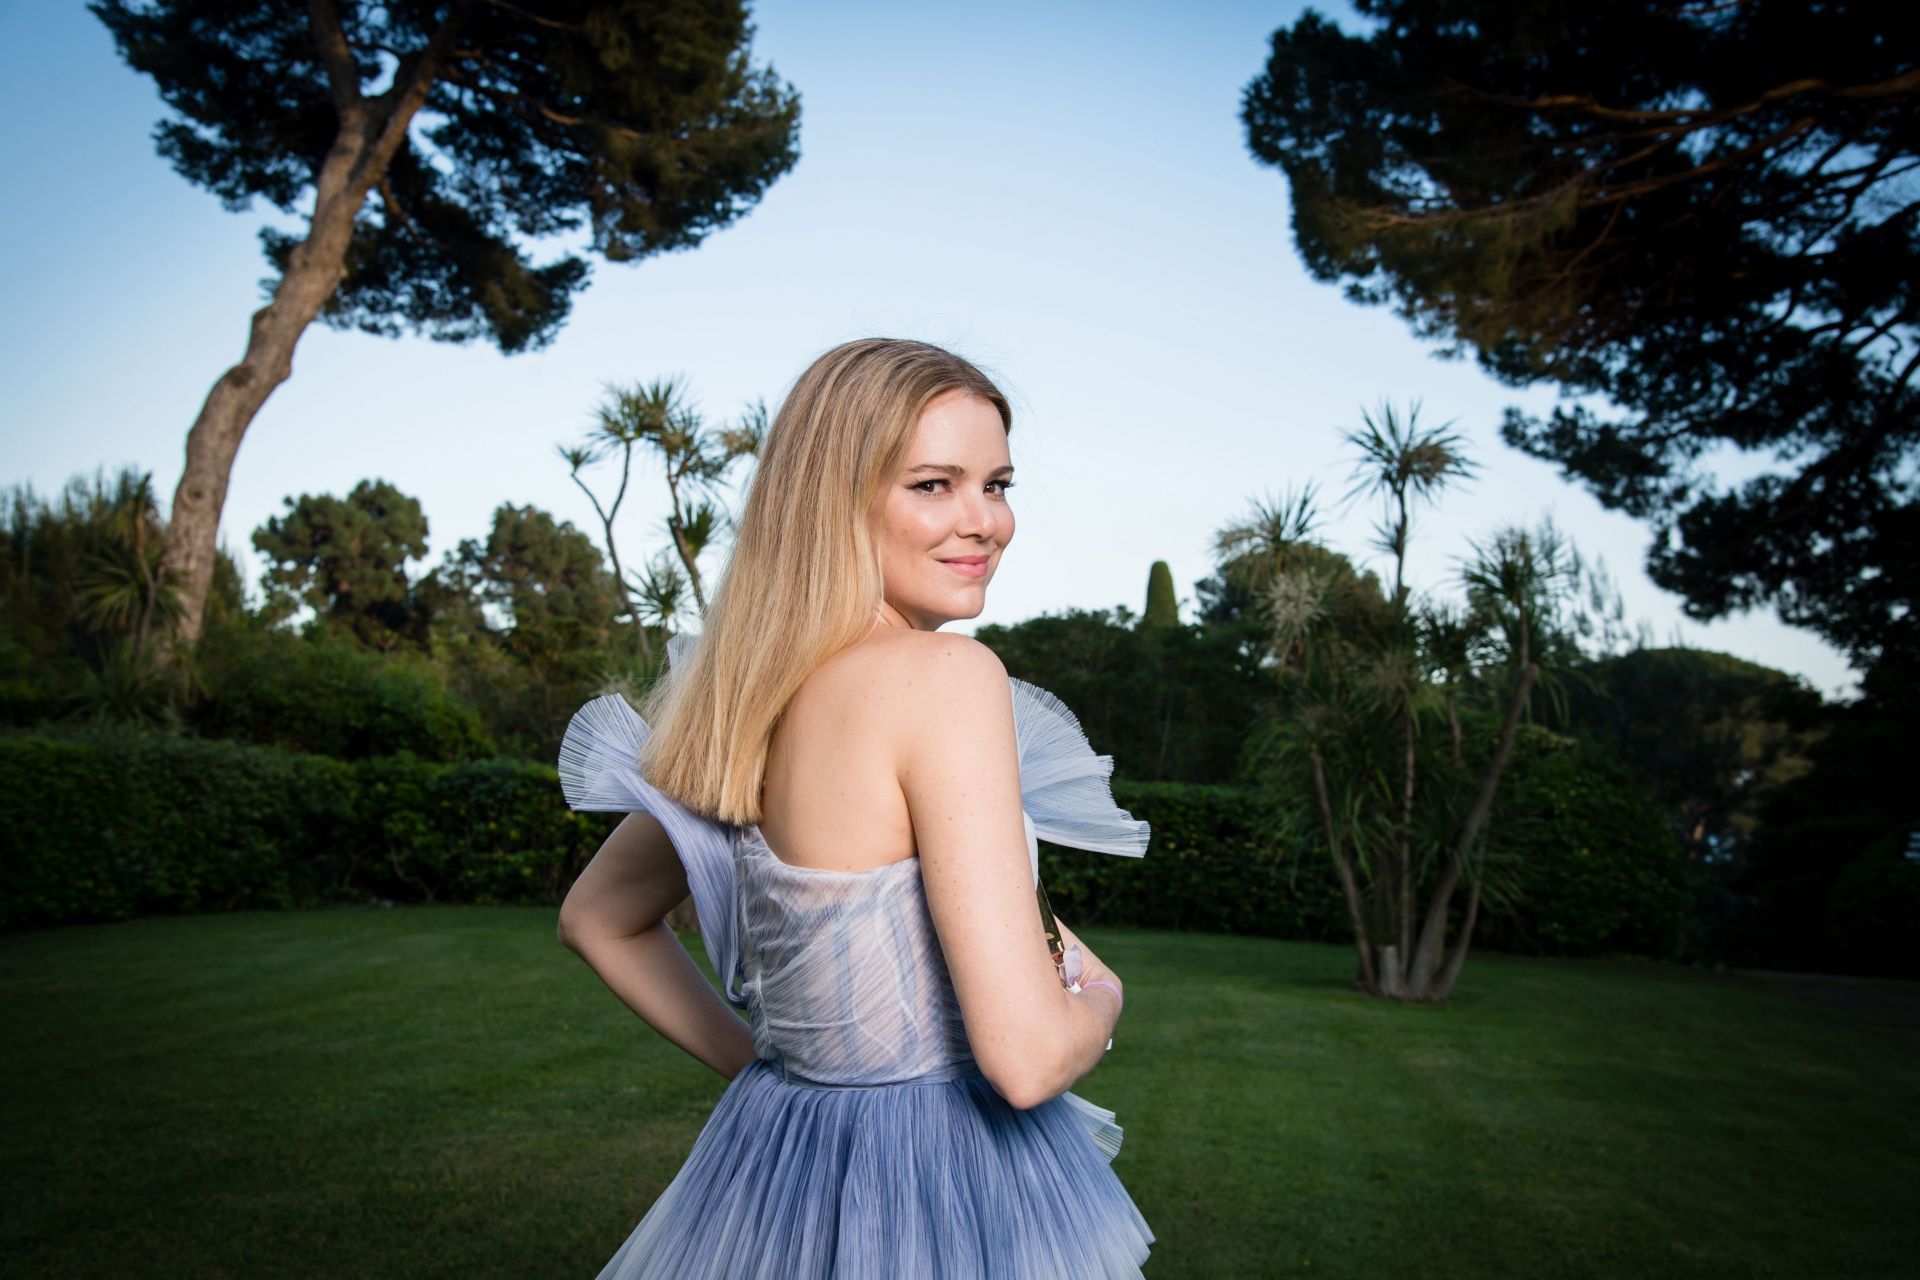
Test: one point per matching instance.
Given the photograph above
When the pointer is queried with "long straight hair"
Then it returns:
(804, 579)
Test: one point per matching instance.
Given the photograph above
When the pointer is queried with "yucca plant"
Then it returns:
(695, 459)
(1370, 725)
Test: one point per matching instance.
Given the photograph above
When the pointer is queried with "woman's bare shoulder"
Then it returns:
(893, 663)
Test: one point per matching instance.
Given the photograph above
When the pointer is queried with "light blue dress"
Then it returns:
(862, 1142)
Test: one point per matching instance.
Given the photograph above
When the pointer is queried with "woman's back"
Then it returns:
(831, 796)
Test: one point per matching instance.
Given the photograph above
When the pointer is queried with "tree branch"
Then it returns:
(536, 19)
(1693, 117)
(411, 83)
(1349, 886)
(330, 38)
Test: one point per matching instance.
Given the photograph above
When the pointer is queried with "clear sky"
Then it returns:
(1060, 191)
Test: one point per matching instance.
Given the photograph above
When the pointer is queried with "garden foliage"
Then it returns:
(113, 824)
(108, 825)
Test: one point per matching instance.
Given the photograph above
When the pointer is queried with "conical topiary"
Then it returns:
(1163, 610)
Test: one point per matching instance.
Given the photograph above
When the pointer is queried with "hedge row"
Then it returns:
(114, 825)
(1215, 865)
(111, 825)
(1595, 867)
(1599, 865)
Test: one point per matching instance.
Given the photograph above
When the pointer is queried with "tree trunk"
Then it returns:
(370, 132)
(607, 516)
(1404, 906)
(151, 582)
(1392, 971)
(1450, 972)
(1349, 885)
(687, 559)
(1433, 933)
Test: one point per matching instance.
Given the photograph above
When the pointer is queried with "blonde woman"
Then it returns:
(852, 797)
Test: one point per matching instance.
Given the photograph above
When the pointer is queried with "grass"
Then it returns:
(445, 1091)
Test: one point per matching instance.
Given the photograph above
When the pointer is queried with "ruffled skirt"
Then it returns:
(928, 1180)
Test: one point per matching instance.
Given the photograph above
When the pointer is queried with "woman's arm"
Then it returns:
(958, 766)
(614, 917)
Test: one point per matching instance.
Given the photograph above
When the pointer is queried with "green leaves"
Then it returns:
(1696, 219)
(84, 597)
(662, 591)
(696, 458)
(346, 558)
(642, 123)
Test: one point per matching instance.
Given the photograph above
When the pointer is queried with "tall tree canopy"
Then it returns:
(1698, 218)
(347, 559)
(423, 139)
(560, 607)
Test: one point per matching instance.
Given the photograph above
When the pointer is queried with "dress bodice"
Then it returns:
(810, 928)
(842, 973)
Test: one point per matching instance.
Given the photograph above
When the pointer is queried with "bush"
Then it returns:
(106, 825)
(490, 831)
(323, 694)
(1217, 864)
(1874, 903)
(1600, 868)
(1168, 703)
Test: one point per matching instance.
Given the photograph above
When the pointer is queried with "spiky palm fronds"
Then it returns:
(661, 590)
(1259, 546)
(1397, 456)
(1405, 465)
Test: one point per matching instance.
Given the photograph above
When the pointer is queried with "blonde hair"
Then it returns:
(804, 579)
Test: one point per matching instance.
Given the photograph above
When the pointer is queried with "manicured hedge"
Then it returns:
(1601, 868)
(103, 827)
(110, 825)
(1216, 865)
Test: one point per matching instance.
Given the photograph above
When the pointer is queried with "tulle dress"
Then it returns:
(862, 1142)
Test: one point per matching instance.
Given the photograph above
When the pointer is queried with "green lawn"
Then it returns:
(445, 1091)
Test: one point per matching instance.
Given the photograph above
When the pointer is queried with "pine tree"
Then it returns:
(423, 139)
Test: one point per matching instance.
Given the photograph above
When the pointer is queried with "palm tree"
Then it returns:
(1366, 667)
(695, 458)
(126, 589)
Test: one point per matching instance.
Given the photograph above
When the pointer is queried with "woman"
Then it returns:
(852, 797)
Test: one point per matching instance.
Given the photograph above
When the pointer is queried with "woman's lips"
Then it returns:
(968, 566)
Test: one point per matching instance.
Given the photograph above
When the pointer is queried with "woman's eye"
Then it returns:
(926, 486)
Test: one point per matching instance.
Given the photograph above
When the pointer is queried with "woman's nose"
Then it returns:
(976, 516)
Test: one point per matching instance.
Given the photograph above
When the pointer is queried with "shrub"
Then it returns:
(106, 825)
(323, 694)
(1600, 868)
(1873, 904)
(1217, 864)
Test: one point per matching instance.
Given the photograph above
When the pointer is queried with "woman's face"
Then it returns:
(942, 520)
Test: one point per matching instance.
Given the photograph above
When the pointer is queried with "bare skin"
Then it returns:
(900, 746)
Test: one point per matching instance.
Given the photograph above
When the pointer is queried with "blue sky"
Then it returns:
(1061, 192)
